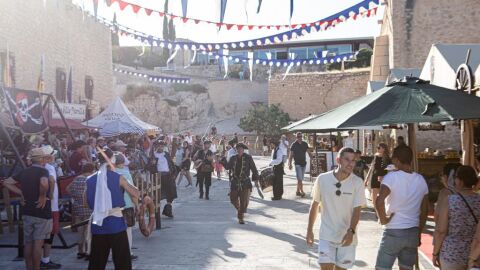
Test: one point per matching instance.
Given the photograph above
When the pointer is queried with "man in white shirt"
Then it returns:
(341, 196)
(402, 208)
(165, 169)
(47, 244)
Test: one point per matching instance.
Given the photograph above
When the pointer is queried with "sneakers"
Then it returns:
(50, 265)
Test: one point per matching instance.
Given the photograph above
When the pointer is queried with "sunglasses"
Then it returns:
(338, 192)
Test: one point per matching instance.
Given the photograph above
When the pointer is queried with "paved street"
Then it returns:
(206, 235)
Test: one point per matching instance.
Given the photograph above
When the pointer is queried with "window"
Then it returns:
(88, 87)
(300, 53)
(282, 55)
(61, 85)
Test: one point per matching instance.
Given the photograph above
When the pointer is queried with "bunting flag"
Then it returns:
(7, 74)
(259, 6)
(223, 3)
(290, 65)
(353, 12)
(41, 82)
(250, 64)
(69, 86)
(184, 8)
(173, 55)
(223, 8)
(225, 62)
(153, 78)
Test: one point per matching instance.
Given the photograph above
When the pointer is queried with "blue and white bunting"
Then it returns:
(153, 78)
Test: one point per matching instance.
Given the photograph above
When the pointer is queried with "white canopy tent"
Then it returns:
(115, 112)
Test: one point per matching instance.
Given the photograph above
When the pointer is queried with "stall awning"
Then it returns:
(72, 124)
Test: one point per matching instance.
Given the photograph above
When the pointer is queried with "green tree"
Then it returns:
(265, 119)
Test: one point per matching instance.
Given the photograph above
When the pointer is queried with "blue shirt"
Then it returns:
(111, 225)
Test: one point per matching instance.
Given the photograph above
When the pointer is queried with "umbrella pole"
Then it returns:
(331, 151)
(412, 142)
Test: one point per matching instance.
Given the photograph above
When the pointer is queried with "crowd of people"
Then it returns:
(105, 200)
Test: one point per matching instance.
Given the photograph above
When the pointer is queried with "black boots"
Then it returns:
(167, 211)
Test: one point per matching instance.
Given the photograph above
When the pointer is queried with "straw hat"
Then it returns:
(36, 153)
(49, 150)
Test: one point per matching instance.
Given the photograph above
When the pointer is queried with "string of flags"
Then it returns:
(229, 26)
(359, 10)
(153, 78)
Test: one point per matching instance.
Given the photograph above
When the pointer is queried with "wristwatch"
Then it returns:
(351, 230)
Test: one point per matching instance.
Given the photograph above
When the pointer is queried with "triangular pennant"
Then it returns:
(148, 11)
(196, 21)
(161, 14)
(250, 27)
(260, 26)
(239, 26)
(184, 7)
(229, 26)
(136, 8)
(122, 4)
(184, 19)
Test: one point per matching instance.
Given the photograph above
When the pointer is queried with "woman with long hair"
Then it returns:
(378, 170)
(456, 224)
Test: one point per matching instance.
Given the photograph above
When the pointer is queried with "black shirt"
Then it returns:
(299, 151)
(29, 180)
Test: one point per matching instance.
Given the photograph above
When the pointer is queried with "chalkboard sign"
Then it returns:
(318, 164)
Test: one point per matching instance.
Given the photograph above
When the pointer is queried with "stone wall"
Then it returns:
(417, 24)
(301, 95)
(65, 37)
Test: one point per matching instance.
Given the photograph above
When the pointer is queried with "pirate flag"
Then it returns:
(25, 107)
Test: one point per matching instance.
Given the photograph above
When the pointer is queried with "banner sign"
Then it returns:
(70, 111)
(25, 107)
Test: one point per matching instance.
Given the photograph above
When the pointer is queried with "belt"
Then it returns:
(114, 212)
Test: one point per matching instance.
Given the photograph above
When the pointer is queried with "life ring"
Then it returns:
(147, 204)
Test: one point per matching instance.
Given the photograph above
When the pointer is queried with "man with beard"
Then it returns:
(241, 186)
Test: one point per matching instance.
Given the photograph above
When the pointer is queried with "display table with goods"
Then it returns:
(430, 165)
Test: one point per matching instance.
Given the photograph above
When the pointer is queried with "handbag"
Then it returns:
(129, 216)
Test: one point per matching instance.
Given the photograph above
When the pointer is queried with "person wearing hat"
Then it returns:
(105, 196)
(121, 147)
(37, 212)
(166, 171)
(201, 165)
(241, 165)
(50, 154)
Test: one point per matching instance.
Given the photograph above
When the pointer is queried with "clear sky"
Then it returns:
(272, 12)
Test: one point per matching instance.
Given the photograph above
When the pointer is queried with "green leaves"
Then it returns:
(265, 119)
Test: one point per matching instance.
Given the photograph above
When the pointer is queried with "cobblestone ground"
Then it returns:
(206, 235)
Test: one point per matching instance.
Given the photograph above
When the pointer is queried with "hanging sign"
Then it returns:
(70, 111)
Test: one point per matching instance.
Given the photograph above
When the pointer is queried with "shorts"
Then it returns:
(300, 172)
(329, 252)
(398, 243)
(35, 228)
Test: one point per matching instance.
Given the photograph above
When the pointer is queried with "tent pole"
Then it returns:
(358, 139)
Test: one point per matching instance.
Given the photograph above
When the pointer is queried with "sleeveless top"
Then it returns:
(111, 225)
(461, 228)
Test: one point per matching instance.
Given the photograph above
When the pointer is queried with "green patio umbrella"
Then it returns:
(408, 101)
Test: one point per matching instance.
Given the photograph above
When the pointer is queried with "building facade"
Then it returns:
(66, 39)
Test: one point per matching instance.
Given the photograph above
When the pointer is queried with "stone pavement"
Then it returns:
(206, 235)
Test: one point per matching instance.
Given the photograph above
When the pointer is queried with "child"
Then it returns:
(218, 166)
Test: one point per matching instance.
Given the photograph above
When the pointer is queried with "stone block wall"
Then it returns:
(66, 38)
(301, 95)
(414, 25)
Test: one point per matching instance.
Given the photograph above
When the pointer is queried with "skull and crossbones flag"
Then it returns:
(25, 107)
